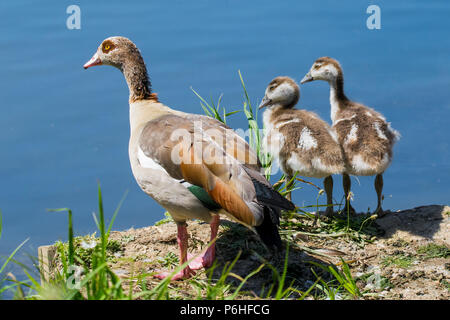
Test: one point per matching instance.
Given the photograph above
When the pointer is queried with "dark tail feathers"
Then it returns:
(266, 194)
(268, 230)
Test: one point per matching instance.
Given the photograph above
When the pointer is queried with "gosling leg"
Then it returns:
(328, 186)
(379, 189)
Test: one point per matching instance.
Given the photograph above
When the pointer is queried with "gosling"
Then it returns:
(298, 139)
(366, 138)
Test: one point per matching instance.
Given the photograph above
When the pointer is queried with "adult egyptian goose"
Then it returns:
(365, 136)
(299, 139)
(194, 166)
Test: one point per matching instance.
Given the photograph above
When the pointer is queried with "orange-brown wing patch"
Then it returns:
(221, 191)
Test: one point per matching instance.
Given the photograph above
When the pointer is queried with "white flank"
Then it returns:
(147, 162)
(306, 140)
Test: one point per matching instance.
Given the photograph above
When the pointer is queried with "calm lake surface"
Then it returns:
(65, 128)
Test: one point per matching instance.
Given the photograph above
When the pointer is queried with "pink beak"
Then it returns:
(95, 61)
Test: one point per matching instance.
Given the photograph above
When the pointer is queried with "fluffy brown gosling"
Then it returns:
(364, 134)
(298, 139)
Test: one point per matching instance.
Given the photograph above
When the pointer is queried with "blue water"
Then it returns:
(65, 128)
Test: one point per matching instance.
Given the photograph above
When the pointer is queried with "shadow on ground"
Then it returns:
(236, 239)
(429, 222)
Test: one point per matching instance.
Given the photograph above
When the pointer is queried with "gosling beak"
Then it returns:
(265, 102)
(307, 78)
(95, 61)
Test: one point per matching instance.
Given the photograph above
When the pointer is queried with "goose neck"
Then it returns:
(136, 76)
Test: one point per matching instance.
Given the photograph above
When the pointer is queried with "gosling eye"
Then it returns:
(272, 87)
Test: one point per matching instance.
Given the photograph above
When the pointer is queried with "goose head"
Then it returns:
(281, 91)
(116, 52)
(324, 68)
(123, 54)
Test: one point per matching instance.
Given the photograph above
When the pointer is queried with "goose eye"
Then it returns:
(107, 47)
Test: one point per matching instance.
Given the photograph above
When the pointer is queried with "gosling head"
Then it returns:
(281, 91)
(115, 51)
(324, 68)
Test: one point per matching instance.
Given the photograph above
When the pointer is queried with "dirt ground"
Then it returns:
(403, 262)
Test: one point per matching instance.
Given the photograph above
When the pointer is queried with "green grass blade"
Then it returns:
(12, 255)
(70, 232)
(116, 212)
(102, 223)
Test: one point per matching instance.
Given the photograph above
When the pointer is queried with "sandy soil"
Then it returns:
(396, 265)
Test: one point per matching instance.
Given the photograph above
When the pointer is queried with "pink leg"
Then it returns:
(182, 239)
(206, 260)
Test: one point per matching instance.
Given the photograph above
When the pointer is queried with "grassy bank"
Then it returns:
(85, 267)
